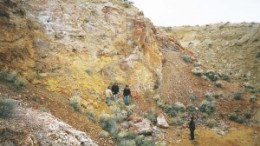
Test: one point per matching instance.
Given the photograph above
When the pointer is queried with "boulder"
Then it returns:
(161, 121)
(142, 127)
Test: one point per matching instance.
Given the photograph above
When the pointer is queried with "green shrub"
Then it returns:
(179, 107)
(218, 84)
(211, 123)
(147, 141)
(177, 121)
(127, 4)
(91, 116)
(224, 76)
(241, 119)
(193, 97)
(103, 134)
(233, 117)
(187, 58)
(45, 110)
(218, 95)
(126, 135)
(211, 75)
(159, 102)
(88, 71)
(121, 115)
(139, 140)
(130, 109)
(207, 107)
(209, 97)
(75, 103)
(258, 55)
(108, 123)
(238, 95)
(160, 143)
(248, 85)
(247, 115)
(126, 142)
(198, 71)
(7, 108)
(128, 138)
(151, 116)
(13, 79)
(191, 108)
(170, 111)
(253, 99)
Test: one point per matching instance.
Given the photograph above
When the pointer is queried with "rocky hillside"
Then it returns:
(231, 48)
(95, 42)
(30, 127)
(59, 57)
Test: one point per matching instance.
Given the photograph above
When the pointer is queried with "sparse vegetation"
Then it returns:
(241, 119)
(211, 123)
(179, 107)
(170, 110)
(258, 55)
(238, 95)
(108, 123)
(126, 138)
(167, 29)
(75, 103)
(211, 75)
(7, 108)
(218, 95)
(14, 79)
(127, 4)
(247, 115)
(233, 117)
(219, 84)
(90, 116)
(193, 97)
(45, 110)
(159, 102)
(191, 108)
(237, 118)
(207, 107)
(253, 99)
(197, 71)
(224, 77)
(187, 58)
(103, 134)
(151, 116)
(209, 97)
(88, 71)
(177, 121)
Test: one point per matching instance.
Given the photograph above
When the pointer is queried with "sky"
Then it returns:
(199, 12)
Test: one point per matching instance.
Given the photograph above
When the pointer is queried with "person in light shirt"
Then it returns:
(108, 94)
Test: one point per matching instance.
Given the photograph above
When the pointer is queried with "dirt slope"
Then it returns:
(231, 48)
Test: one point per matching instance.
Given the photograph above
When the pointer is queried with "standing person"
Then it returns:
(126, 94)
(115, 90)
(192, 128)
(108, 94)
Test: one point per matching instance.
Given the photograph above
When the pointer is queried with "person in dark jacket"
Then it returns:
(115, 90)
(126, 94)
(192, 128)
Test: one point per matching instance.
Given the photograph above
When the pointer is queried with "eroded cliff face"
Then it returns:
(231, 48)
(79, 45)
